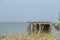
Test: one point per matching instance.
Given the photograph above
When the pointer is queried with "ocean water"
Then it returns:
(12, 28)
(19, 28)
(55, 32)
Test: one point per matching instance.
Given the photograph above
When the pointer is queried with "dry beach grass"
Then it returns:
(34, 36)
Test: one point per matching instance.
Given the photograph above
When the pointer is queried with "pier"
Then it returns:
(39, 26)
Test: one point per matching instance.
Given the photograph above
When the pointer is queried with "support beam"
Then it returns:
(29, 28)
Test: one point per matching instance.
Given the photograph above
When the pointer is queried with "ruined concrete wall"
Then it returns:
(37, 26)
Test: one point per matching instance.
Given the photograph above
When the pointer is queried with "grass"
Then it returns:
(33, 36)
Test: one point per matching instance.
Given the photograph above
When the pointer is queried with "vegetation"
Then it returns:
(58, 26)
(0, 37)
(34, 36)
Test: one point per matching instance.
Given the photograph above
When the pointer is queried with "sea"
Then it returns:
(15, 28)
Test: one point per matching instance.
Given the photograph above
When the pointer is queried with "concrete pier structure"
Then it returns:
(39, 26)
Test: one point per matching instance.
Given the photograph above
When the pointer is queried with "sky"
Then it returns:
(29, 10)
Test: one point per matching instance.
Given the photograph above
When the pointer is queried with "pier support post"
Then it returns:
(29, 28)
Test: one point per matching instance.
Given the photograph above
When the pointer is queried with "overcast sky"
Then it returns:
(27, 10)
